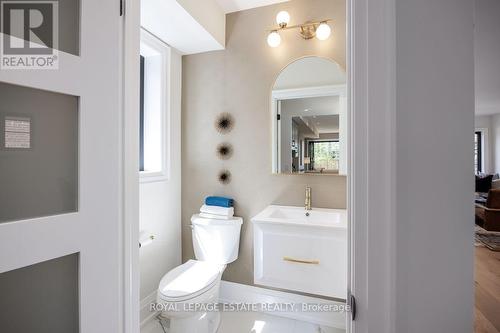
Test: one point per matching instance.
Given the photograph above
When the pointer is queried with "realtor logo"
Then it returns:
(29, 38)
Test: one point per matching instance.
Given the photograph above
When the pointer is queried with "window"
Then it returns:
(153, 109)
(141, 118)
(478, 152)
(324, 155)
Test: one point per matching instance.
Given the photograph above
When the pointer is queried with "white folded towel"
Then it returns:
(214, 216)
(216, 210)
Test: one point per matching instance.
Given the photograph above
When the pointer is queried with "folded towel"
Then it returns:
(214, 216)
(219, 201)
(216, 210)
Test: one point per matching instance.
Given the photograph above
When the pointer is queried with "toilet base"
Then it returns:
(200, 322)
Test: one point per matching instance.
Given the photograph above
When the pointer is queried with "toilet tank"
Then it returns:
(216, 240)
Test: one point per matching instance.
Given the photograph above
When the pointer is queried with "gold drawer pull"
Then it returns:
(301, 261)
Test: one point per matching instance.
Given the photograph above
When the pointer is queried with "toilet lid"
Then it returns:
(189, 280)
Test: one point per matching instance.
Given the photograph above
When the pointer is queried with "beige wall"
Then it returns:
(239, 80)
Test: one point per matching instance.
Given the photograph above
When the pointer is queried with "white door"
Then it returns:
(60, 154)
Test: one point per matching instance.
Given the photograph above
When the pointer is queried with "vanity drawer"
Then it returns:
(302, 259)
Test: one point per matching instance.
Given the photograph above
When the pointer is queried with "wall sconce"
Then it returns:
(308, 30)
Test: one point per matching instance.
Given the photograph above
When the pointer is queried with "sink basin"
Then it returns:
(321, 217)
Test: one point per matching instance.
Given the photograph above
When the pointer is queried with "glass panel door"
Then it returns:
(60, 162)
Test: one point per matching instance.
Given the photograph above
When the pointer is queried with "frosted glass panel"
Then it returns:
(38, 153)
(41, 298)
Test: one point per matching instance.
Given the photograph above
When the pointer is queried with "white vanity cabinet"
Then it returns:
(305, 253)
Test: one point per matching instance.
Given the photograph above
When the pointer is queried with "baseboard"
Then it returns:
(231, 292)
(146, 314)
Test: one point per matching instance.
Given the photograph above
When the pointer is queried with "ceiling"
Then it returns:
(312, 106)
(314, 115)
(325, 123)
(184, 32)
(229, 6)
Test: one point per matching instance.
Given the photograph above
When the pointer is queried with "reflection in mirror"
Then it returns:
(309, 110)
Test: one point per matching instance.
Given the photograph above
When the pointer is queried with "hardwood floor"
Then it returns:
(487, 291)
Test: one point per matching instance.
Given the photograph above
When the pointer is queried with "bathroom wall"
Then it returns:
(487, 56)
(159, 201)
(494, 138)
(239, 80)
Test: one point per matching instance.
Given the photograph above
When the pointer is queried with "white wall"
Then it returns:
(487, 56)
(193, 26)
(434, 183)
(210, 15)
(494, 139)
(160, 202)
(482, 121)
(230, 6)
(487, 78)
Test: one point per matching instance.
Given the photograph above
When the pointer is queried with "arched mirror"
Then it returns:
(309, 112)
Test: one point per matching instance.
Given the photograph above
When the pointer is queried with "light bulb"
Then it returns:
(274, 39)
(283, 18)
(323, 31)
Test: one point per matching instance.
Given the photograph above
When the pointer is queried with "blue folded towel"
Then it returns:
(219, 201)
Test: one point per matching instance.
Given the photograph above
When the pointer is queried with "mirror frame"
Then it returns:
(294, 93)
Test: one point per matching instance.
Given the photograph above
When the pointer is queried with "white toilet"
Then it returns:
(187, 291)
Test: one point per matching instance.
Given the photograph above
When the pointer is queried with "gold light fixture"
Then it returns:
(307, 30)
(323, 31)
(283, 18)
(274, 39)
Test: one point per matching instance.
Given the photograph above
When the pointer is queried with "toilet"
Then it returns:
(188, 292)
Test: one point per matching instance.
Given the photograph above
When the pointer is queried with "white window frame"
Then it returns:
(485, 150)
(157, 56)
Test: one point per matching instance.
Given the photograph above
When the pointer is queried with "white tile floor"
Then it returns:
(255, 322)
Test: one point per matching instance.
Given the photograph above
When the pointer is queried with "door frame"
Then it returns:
(371, 178)
(131, 101)
(371, 58)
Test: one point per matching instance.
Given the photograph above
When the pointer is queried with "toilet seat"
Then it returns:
(189, 280)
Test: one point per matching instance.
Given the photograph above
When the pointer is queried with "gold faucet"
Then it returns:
(308, 198)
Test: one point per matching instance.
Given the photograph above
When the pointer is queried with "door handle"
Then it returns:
(301, 261)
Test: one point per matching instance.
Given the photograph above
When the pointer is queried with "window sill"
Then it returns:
(152, 176)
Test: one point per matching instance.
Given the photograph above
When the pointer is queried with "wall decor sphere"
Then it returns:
(224, 177)
(224, 123)
(224, 151)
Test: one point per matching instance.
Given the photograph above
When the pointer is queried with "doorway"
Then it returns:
(370, 71)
